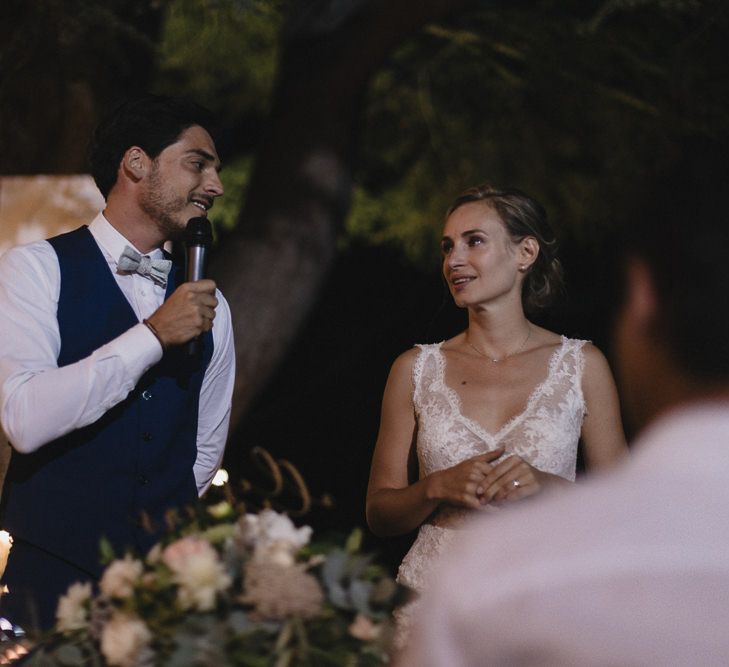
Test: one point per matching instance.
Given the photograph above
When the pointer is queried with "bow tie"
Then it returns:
(154, 269)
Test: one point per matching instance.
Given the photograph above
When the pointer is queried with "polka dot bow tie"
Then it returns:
(154, 269)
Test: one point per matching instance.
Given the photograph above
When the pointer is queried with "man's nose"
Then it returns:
(214, 185)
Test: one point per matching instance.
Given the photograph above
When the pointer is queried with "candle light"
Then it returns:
(5, 543)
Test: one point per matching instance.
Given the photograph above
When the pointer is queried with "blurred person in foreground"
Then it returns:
(112, 421)
(492, 416)
(632, 568)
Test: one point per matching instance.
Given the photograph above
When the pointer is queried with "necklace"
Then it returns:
(506, 356)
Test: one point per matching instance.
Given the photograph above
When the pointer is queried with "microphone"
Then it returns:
(198, 239)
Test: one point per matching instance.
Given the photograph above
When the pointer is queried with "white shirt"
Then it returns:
(40, 402)
(630, 568)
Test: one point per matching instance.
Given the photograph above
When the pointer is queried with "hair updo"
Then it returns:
(523, 216)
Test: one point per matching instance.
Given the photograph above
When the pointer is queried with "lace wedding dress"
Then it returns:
(545, 434)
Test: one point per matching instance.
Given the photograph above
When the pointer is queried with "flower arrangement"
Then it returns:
(229, 588)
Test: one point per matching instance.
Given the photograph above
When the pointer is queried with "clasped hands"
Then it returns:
(188, 312)
(478, 481)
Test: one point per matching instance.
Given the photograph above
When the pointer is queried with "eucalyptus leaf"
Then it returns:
(70, 655)
(239, 622)
(354, 541)
(335, 567)
(359, 593)
(359, 564)
(39, 658)
(182, 655)
(106, 551)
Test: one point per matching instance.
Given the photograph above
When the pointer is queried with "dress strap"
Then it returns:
(576, 358)
(421, 367)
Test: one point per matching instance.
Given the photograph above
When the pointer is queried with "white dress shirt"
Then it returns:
(40, 402)
(631, 568)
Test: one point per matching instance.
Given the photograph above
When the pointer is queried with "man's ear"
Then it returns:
(640, 304)
(528, 252)
(135, 163)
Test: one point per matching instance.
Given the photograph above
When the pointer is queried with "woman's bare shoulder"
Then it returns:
(595, 361)
(456, 343)
(544, 338)
(404, 362)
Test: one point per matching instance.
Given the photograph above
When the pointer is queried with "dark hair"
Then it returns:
(679, 226)
(523, 216)
(151, 122)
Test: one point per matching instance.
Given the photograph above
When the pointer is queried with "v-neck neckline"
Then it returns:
(475, 426)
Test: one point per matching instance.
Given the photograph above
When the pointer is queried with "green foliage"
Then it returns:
(569, 101)
(223, 53)
(234, 176)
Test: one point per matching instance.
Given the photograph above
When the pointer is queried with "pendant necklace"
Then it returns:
(506, 356)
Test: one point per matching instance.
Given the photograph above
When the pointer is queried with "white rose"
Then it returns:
(197, 571)
(72, 613)
(123, 639)
(272, 537)
(275, 527)
(119, 578)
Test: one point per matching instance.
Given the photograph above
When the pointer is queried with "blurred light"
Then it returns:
(221, 477)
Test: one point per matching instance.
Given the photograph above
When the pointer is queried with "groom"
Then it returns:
(631, 568)
(111, 421)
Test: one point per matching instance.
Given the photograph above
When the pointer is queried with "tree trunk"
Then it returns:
(271, 266)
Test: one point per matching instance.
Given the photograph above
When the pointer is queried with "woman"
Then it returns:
(494, 414)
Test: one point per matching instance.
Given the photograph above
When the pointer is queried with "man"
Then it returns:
(631, 568)
(112, 420)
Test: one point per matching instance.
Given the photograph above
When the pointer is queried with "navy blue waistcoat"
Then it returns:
(136, 460)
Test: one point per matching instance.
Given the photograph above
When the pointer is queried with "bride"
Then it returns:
(493, 415)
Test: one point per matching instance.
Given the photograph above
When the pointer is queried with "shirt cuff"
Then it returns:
(139, 350)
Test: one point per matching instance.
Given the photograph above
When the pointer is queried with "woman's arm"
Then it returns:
(394, 505)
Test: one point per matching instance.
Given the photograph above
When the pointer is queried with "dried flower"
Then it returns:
(72, 612)
(123, 640)
(120, 576)
(364, 629)
(197, 571)
(277, 591)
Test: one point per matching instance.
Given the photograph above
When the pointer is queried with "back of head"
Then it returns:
(151, 122)
(679, 226)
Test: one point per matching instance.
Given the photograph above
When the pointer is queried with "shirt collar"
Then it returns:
(112, 241)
